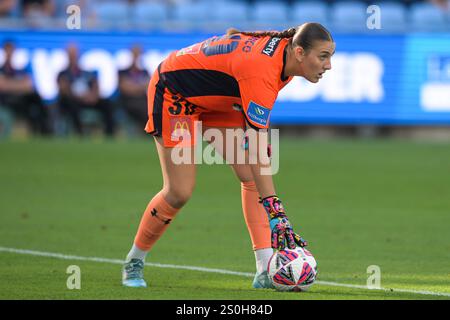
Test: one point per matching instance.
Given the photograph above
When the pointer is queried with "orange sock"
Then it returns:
(154, 222)
(255, 216)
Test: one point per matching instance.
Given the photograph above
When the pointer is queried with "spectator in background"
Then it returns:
(38, 8)
(38, 13)
(78, 90)
(17, 94)
(133, 83)
(7, 7)
(443, 4)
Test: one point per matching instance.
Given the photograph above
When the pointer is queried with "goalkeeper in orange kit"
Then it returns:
(227, 82)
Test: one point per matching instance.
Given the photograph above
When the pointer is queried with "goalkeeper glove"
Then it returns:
(282, 234)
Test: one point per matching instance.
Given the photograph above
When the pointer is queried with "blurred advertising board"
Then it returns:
(380, 79)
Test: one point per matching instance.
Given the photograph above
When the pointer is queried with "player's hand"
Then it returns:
(282, 233)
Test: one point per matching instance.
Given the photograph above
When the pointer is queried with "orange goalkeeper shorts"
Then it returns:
(173, 118)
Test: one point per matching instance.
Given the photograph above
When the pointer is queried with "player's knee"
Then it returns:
(178, 196)
(243, 172)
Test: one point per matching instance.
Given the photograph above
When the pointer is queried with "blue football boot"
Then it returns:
(133, 275)
(262, 281)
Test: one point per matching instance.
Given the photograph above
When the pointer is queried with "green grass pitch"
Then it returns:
(358, 203)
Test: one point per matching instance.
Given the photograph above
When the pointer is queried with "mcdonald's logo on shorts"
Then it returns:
(181, 129)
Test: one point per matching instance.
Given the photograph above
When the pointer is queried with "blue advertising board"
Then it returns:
(375, 79)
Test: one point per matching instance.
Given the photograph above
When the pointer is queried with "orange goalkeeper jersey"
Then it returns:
(226, 72)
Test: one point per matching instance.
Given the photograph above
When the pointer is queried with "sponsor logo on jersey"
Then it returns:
(248, 44)
(271, 46)
(194, 49)
(257, 113)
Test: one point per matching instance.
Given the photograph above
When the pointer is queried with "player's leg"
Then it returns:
(70, 109)
(257, 224)
(254, 213)
(179, 181)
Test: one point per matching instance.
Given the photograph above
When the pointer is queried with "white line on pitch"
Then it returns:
(221, 271)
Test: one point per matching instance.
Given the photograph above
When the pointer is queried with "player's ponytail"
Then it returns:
(288, 33)
(302, 36)
(232, 31)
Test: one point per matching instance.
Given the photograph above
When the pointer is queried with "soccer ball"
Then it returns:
(292, 269)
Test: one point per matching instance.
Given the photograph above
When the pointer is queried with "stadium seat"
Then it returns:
(393, 17)
(270, 14)
(309, 11)
(192, 15)
(112, 14)
(148, 14)
(349, 16)
(91, 120)
(426, 18)
(232, 13)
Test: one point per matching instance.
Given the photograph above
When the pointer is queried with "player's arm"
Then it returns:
(258, 94)
(23, 84)
(259, 161)
(127, 87)
(256, 106)
(282, 232)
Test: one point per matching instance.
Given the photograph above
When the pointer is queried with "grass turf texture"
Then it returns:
(359, 203)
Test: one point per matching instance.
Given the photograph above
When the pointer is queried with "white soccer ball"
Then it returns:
(292, 269)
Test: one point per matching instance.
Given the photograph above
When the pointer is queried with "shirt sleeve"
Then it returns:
(257, 98)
